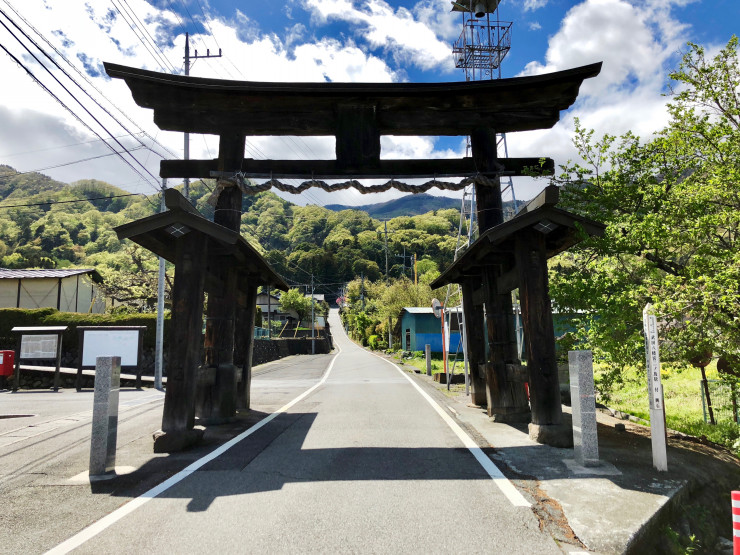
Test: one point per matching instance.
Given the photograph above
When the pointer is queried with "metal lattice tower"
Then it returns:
(480, 49)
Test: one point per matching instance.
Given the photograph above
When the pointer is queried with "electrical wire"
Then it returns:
(67, 91)
(76, 161)
(71, 112)
(90, 83)
(159, 59)
(29, 205)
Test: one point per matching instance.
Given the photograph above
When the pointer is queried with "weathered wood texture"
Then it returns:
(211, 106)
(474, 326)
(506, 394)
(185, 332)
(244, 347)
(531, 261)
(217, 401)
(488, 200)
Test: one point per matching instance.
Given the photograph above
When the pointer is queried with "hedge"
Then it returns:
(14, 317)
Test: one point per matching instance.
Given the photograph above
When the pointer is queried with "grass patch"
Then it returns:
(683, 402)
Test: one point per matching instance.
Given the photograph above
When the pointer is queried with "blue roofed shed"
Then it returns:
(418, 327)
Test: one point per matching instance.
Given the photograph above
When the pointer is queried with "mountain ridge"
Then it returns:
(409, 205)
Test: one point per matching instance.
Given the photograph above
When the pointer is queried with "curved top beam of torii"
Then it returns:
(357, 114)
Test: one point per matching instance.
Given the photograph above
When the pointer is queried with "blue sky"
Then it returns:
(639, 41)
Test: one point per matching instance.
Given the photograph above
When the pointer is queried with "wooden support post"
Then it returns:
(216, 401)
(506, 395)
(489, 205)
(357, 136)
(184, 351)
(544, 388)
(476, 344)
(505, 390)
(244, 347)
(229, 204)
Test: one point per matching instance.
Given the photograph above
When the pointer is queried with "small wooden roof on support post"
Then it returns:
(562, 230)
(159, 234)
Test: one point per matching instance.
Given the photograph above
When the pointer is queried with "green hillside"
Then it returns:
(49, 224)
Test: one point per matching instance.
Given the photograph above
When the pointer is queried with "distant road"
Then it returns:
(361, 461)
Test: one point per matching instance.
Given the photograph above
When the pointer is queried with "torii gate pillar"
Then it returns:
(217, 399)
(505, 391)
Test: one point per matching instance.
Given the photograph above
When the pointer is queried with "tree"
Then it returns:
(672, 210)
(294, 300)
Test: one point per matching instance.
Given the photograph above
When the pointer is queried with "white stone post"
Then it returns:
(105, 415)
(655, 390)
(583, 404)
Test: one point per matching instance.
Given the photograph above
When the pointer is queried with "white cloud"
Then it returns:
(397, 32)
(535, 26)
(637, 44)
(531, 5)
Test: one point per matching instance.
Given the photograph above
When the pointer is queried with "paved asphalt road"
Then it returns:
(363, 461)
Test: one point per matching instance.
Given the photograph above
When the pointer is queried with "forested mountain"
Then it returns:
(48, 224)
(409, 205)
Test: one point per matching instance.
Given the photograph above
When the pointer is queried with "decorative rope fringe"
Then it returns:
(240, 181)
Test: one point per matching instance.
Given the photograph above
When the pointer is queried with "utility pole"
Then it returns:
(416, 281)
(362, 290)
(269, 316)
(385, 224)
(159, 338)
(188, 57)
(313, 326)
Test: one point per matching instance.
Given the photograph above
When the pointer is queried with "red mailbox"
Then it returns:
(7, 363)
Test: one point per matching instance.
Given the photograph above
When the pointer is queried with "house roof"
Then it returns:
(49, 274)
(417, 310)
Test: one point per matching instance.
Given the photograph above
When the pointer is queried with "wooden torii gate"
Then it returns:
(357, 115)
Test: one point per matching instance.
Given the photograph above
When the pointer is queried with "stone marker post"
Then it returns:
(655, 390)
(105, 415)
(428, 353)
(583, 404)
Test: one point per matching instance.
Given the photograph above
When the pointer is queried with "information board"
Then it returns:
(115, 343)
(39, 346)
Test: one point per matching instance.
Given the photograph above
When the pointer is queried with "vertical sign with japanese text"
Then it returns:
(655, 389)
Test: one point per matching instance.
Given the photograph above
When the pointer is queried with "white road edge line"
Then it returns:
(99, 526)
(503, 483)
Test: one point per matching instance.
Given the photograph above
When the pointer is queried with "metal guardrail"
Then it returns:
(725, 397)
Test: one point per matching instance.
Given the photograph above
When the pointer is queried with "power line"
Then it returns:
(62, 146)
(90, 83)
(66, 90)
(61, 103)
(69, 201)
(76, 161)
(159, 59)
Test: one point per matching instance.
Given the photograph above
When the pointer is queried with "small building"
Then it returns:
(419, 327)
(70, 290)
(271, 305)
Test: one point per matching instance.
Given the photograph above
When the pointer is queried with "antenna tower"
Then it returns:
(483, 44)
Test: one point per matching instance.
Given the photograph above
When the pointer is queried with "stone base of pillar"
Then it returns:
(555, 435)
(171, 442)
(510, 416)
